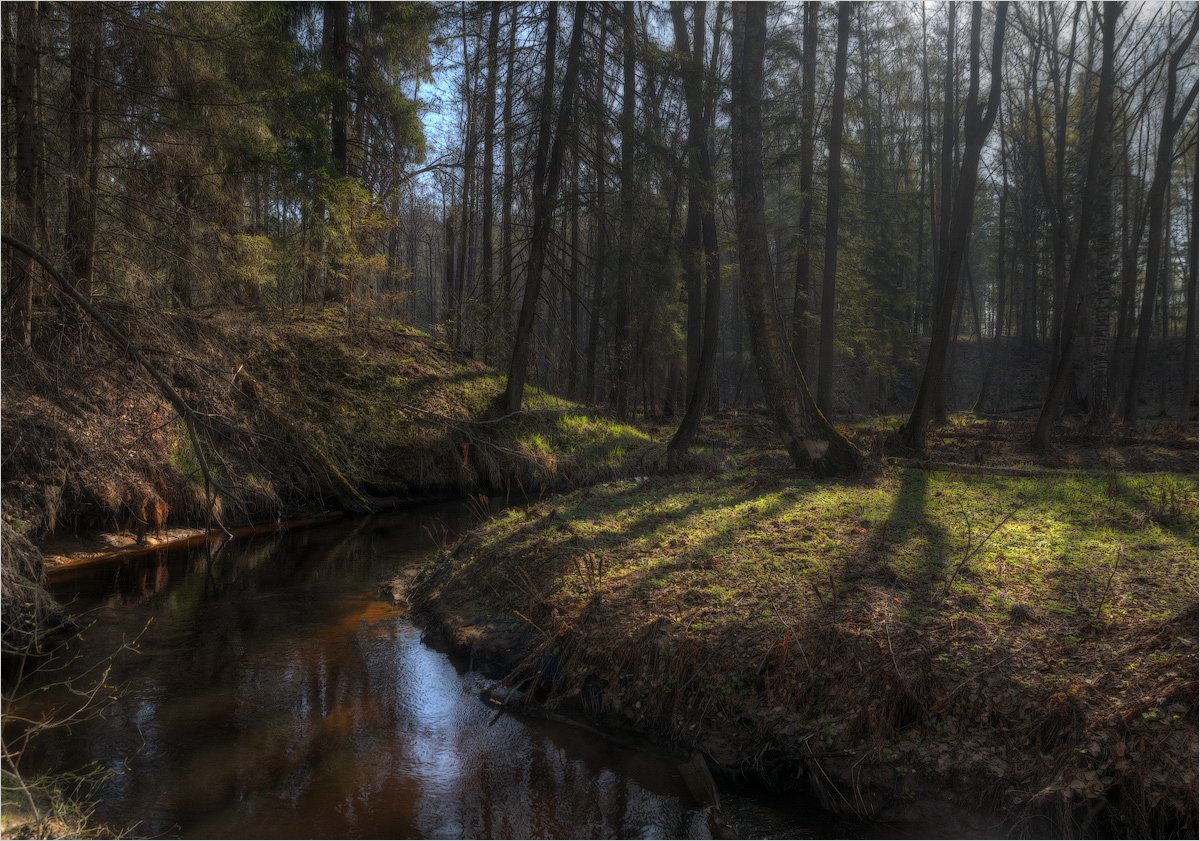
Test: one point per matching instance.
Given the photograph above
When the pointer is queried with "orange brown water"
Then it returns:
(273, 693)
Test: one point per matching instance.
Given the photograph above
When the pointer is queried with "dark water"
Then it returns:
(266, 690)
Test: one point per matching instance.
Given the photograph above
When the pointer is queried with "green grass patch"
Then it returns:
(1002, 624)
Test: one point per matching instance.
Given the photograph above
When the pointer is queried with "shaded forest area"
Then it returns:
(651, 207)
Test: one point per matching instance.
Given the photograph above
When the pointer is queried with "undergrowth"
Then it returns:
(296, 411)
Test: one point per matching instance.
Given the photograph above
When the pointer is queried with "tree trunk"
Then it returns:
(546, 179)
(1165, 309)
(489, 166)
(832, 208)
(946, 184)
(808, 108)
(708, 250)
(622, 327)
(335, 54)
(1099, 408)
(573, 288)
(506, 192)
(1001, 285)
(1191, 376)
(924, 307)
(1172, 121)
(600, 116)
(977, 126)
(1073, 303)
(448, 257)
(19, 306)
(79, 231)
(807, 435)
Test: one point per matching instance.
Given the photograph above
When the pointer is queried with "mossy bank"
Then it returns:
(997, 654)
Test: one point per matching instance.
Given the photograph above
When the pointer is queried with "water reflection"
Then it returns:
(274, 695)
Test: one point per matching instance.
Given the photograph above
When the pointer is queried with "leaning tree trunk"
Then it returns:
(1172, 121)
(1073, 303)
(807, 435)
(977, 126)
(701, 201)
(545, 193)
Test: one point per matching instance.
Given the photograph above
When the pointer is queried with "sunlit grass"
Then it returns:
(1120, 547)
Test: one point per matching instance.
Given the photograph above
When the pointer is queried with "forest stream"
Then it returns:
(264, 688)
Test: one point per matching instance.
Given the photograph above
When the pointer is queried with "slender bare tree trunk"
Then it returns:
(487, 273)
(1172, 122)
(1001, 285)
(506, 190)
(1191, 376)
(622, 372)
(573, 356)
(832, 209)
(19, 306)
(79, 231)
(1098, 405)
(807, 435)
(948, 155)
(808, 108)
(978, 122)
(546, 177)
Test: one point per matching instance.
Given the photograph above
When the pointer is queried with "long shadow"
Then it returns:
(909, 519)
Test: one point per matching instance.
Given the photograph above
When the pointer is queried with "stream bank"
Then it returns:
(988, 654)
(299, 414)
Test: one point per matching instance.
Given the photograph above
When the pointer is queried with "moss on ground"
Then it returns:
(1025, 646)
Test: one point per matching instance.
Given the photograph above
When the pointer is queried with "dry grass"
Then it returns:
(297, 413)
(1026, 646)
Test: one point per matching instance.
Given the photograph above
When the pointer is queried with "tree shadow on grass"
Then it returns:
(909, 520)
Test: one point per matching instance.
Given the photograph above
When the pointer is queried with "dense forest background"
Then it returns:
(987, 206)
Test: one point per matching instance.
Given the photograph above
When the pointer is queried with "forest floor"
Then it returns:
(1005, 647)
(1022, 644)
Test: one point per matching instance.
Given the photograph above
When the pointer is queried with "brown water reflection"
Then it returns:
(274, 695)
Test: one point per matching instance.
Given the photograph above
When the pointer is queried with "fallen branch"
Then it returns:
(981, 470)
(183, 409)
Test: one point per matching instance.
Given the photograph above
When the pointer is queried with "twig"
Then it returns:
(938, 706)
(972, 552)
(891, 652)
(184, 410)
(815, 589)
(1108, 584)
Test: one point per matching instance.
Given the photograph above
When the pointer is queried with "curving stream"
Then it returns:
(265, 689)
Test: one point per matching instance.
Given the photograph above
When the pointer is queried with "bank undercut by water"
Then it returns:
(1010, 654)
